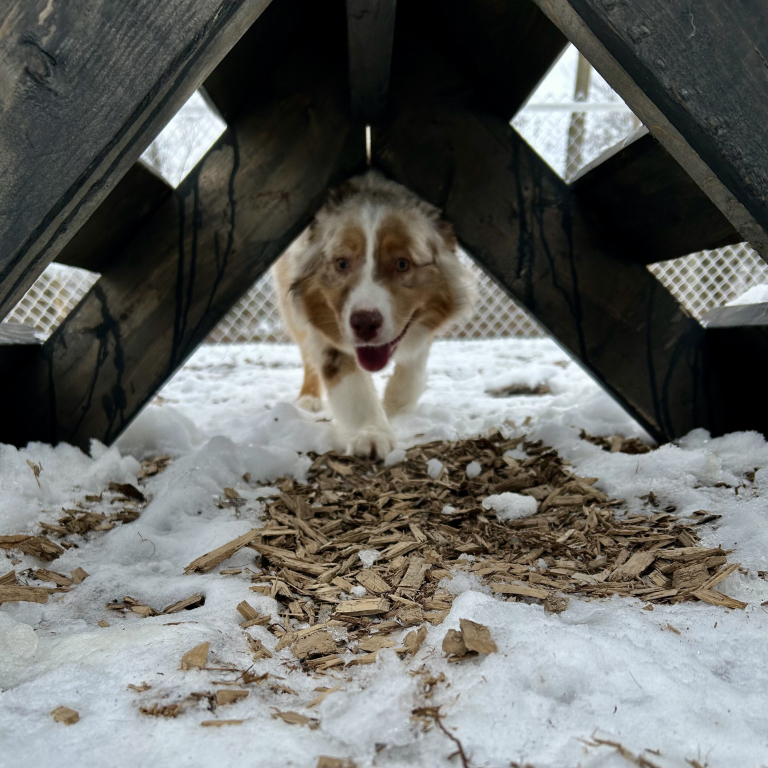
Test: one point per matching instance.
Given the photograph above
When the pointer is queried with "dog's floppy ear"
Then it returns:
(445, 230)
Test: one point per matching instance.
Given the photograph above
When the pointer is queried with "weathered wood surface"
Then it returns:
(505, 48)
(229, 219)
(85, 86)
(122, 213)
(370, 34)
(697, 76)
(527, 229)
(738, 316)
(640, 191)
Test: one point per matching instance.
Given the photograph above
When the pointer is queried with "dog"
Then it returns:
(372, 279)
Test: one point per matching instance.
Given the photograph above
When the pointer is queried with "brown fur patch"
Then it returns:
(336, 366)
(422, 292)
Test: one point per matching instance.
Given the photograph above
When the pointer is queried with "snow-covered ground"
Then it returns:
(688, 681)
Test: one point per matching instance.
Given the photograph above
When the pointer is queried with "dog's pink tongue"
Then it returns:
(373, 358)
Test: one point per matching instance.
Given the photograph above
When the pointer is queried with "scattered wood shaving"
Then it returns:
(65, 715)
(324, 692)
(78, 575)
(193, 601)
(477, 637)
(211, 559)
(8, 578)
(325, 761)
(366, 606)
(36, 470)
(196, 658)
(230, 696)
(128, 490)
(220, 723)
(295, 718)
(10, 593)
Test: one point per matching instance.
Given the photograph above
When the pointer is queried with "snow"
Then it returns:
(757, 294)
(510, 506)
(690, 680)
(434, 468)
(368, 556)
(473, 469)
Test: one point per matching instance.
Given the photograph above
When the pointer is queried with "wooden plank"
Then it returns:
(123, 212)
(505, 48)
(370, 32)
(229, 219)
(527, 229)
(737, 316)
(85, 86)
(653, 205)
(696, 76)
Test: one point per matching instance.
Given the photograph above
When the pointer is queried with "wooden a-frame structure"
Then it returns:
(86, 86)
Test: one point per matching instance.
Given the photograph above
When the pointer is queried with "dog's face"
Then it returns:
(379, 269)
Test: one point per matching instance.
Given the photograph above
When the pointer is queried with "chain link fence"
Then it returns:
(572, 117)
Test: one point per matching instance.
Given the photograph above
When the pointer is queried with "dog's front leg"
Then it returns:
(410, 375)
(355, 405)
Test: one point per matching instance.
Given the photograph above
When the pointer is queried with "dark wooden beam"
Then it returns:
(246, 72)
(526, 227)
(370, 31)
(738, 351)
(230, 218)
(697, 75)
(505, 48)
(18, 344)
(85, 86)
(652, 204)
(122, 213)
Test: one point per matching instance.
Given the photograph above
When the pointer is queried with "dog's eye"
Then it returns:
(342, 265)
(403, 265)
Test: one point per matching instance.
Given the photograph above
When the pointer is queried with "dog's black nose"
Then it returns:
(366, 323)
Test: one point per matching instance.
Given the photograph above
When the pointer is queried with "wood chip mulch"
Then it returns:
(398, 531)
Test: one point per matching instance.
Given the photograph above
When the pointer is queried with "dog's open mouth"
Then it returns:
(375, 358)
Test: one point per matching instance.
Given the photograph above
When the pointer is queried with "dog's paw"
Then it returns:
(372, 443)
(310, 403)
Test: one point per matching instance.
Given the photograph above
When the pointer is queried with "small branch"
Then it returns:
(434, 713)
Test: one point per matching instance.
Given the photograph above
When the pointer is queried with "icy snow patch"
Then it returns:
(434, 468)
(511, 506)
(394, 457)
(463, 581)
(473, 469)
(368, 556)
(757, 294)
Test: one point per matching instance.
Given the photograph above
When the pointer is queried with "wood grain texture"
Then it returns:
(526, 228)
(84, 88)
(655, 208)
(370, 32)
(121, 214)
(229, 219)
(697, 76)
(505, 47)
